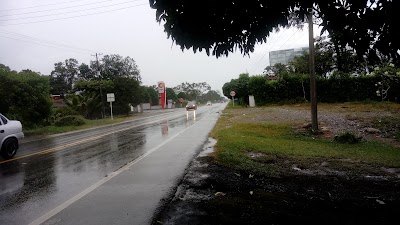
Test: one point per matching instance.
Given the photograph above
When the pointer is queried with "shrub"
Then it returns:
(24, 96)
(70, 121)
(65, 111)
(338, 88)
(347, 137)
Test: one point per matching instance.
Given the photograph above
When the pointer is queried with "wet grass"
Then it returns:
(364, 106)
(236, 106)
(274, 143)
(389, 126)
(48, 130)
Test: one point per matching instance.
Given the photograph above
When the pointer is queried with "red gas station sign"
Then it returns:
(162, 93)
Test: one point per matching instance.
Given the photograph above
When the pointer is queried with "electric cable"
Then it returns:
(68, 7)
(13, 38)
(260, 60)
(36, 6)
(297, 30)
(44, 41)
(62, 13)
(72, 17)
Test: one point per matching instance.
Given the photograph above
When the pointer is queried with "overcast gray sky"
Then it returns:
(123, 27)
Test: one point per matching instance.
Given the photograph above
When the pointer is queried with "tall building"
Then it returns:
(284, 56)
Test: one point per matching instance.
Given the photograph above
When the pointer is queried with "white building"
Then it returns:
(284, 56)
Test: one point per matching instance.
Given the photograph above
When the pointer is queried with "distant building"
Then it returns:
(58, 101)
(284, 56)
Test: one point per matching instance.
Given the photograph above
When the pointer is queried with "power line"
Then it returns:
(68, 7)
(71, 17)
(260, 60)
(51, 46)
(284, 42)
(290, 44)
(46, 41)
(81, 10)
(59, 3)
(280, 47)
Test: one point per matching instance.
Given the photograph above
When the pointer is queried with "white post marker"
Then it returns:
(233, 93)
(111, 99)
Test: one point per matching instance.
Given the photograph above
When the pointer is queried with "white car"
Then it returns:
(10, 134)
(209, 103)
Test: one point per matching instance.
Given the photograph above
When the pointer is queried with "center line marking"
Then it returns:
(98, 136)
(67, 203)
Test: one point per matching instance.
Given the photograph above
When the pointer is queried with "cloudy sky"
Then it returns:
(35, 34)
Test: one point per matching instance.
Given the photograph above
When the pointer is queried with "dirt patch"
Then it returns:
(218, 195)
(317, 191)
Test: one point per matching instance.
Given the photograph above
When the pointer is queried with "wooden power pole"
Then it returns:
(103, 112)
(313, 88)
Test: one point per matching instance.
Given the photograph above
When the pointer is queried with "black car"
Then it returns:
(191, 106)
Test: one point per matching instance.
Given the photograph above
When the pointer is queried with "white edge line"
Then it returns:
(67, 203)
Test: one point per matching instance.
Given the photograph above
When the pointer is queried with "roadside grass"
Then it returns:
(231, 106)
(273, 148)
(48, 130)
(389, 126)
(363, 106)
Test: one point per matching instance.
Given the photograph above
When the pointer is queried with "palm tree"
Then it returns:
(86, 104)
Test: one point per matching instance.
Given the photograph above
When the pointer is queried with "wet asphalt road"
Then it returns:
(48, 172)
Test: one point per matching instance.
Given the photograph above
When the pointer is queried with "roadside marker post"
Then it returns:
(233, 93)
(111, 99)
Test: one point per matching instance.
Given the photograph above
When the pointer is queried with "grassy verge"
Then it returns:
(273, 149)
(349, 107)
(89, 124)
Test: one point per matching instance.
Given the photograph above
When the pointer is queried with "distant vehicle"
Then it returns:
(209, 103)
(191, 106)
(10, 134)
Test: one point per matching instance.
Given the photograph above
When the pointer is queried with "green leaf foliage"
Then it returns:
(25, 96)
(94, 85)
(295, 88)
(64, 111)
(115, 66)
(70, 121)
(240, 86)
(171, 94)
(64, 76)
(192, 91)
(223, 26)
(88, 104)
(149, 95)
(127, 91)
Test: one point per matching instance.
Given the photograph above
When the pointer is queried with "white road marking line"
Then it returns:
(90, 138)
(67, 203)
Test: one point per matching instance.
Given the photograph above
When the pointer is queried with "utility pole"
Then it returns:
(101, 89)
(313, 88)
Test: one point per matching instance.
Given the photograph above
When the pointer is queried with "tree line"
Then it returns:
(83, 88)
(340, 77)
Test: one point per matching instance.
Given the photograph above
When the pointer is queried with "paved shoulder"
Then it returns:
(132, 194)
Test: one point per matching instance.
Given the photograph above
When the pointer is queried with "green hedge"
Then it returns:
(65, 111)
(70, 121)
(290, 89)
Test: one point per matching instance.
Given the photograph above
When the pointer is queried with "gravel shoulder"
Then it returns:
(321, 194)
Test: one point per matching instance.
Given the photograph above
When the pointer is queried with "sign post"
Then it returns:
(162, 93)
(111, 99)
(233, 93)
